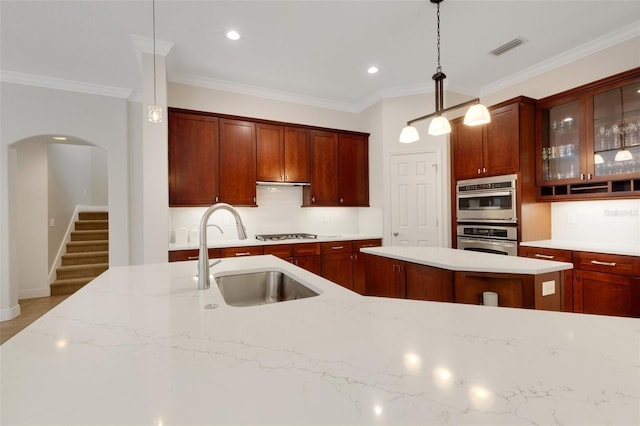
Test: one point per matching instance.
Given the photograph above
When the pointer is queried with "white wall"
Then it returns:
(27, 111)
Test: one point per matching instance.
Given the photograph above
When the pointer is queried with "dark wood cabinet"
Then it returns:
(384, 277)
(237, 162)
(353, 185)
(466, 150)
(558, 256)
(305, 255)
(190, 254)
(282, 153)
(359, 263)
(193, 160)
(337, 262)
(241, 251)
(428, 283)
(323, 190)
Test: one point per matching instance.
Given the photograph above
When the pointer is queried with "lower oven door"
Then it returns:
(486, 245)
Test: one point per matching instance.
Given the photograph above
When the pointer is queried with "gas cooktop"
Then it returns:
(277, 237)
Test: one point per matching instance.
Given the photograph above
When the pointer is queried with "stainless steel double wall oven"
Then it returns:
(486, 214)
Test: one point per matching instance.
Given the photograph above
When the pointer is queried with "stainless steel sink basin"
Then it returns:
(259, 288)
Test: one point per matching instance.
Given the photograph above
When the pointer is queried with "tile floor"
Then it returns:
(30, 310)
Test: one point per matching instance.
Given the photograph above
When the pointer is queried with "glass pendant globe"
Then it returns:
(409, 134)
(476, 115)
(439, 126)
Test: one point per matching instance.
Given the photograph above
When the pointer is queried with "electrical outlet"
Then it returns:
(52, 222)
(548, 287)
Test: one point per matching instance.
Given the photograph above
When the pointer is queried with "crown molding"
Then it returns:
(261, 92)
(619, 36)
(63, 84)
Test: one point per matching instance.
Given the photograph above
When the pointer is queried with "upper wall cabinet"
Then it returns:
(193, 160)
(339, 170)
(238, 162)
(588, 144)
(283, 153)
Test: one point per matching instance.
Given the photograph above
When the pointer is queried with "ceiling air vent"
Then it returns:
(507, 46)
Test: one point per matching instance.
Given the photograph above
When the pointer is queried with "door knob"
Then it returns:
(395, 234)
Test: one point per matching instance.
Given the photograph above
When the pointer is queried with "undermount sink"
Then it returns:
(259, 288)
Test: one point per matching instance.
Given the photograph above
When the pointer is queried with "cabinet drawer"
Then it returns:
(282, 251)
(336, 247)
(547, 254)
(241, 251)
(358, 244)
(608, 263)
(306, 249)
(192, 254)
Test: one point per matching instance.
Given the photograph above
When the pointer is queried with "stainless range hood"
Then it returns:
(263, 183)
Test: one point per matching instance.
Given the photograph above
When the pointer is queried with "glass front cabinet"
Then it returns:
(588, 142)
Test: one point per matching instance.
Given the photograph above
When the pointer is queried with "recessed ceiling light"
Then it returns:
(372, 70)
(60, 138)
(233, 35)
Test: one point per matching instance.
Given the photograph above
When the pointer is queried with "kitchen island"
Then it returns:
(140, 345)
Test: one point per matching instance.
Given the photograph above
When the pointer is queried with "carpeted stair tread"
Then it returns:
(93, 216)
(79, 271)
(88, 257)
(85, 225)
(68, 286)
(87, 246)
(90, 235)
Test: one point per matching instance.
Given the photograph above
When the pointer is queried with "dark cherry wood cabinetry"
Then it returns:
(359, 263)
(385, 277)
(588, 144)
(558, 256)
(339, 170)
(237, 162)
(337, 262)
(193, 158)
(305, 255)
(283, 153)
(190, 254)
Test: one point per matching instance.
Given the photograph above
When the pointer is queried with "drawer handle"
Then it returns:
(544, 256)
(337, 247)
(597, 262)
(244, 253)
(367, 245)
(192, 257)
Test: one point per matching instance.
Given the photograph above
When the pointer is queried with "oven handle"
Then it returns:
(505, 243)
(488, 193)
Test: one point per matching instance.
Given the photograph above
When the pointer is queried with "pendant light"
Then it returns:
(154, 111)
(624, 154)
(476, 115)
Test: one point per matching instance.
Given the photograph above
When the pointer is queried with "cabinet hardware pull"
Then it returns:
(478, 171)
(192, 257)
(545, 256)
(597, 262)
(313, 199)
(581, 176)
(589, 176)
(217, 199)
(337, 247)
(341, 200)
(484, 170)
(244, 253)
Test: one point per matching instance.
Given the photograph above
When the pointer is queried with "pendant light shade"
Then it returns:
(597, 159)
(476, 115)
(155, 114)
(409, 134)
(439, 126)
(623, 155)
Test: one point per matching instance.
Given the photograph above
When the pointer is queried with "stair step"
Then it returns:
(90, 235)
(69, 286)
(84, 225)
(83, 258)
(87, 246)
(93, 215)
(80, 271)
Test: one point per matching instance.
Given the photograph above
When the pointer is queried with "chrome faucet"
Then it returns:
(204, 282)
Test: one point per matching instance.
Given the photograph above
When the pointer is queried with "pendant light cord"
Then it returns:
(439, 69)
(153, 13)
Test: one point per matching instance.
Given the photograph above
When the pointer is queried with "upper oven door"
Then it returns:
(487, 206)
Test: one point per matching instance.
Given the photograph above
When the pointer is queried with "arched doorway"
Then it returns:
(49, 177)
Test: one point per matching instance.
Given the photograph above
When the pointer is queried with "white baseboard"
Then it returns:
(9, 314)
(36, 292)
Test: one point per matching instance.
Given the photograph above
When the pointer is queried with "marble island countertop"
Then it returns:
(469, 261)
(137, 346)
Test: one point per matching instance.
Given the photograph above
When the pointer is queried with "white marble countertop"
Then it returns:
(254, 242)
(470, 261)
(137, 347)
(594, 247)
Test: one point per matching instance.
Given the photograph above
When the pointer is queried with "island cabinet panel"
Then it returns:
(310, 263)
(237, 162)
(241, 251)
(304, 255)
(359, 263)
(193, 160)
(191, 254)
(353, 170)
(337, 262)
(558, 256)
(514, 290)
(606, 294)
(428, 283)
(384, 277)
(283, 251)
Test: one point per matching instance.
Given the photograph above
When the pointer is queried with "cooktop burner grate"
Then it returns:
(277, 237)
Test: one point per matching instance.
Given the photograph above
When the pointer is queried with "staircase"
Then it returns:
(87, 253)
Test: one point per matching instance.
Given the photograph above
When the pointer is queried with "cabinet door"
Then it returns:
(501, 142)
(466, 148)
(338, 268)
(606, 294)
(283, 251)
(354, 170)
(296, 154)
(191, 254)
(384, 277)
(238, 162)
(312, 264)
(558, 256)
(193, 159)
(324, 169)
(359, 264)
(428, 283)
(270, 153)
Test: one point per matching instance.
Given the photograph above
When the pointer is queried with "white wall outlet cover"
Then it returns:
(548, 287)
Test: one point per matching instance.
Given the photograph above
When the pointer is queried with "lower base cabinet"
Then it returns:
(343, 263)
(384, 277)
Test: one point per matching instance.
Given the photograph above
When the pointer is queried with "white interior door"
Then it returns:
(415, 209)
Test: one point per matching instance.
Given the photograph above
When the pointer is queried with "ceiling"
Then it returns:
(314, 52)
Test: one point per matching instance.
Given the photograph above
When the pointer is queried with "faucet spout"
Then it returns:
(204, 282)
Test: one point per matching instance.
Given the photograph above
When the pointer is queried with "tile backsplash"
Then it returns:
(279, 212)
(608, 222)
